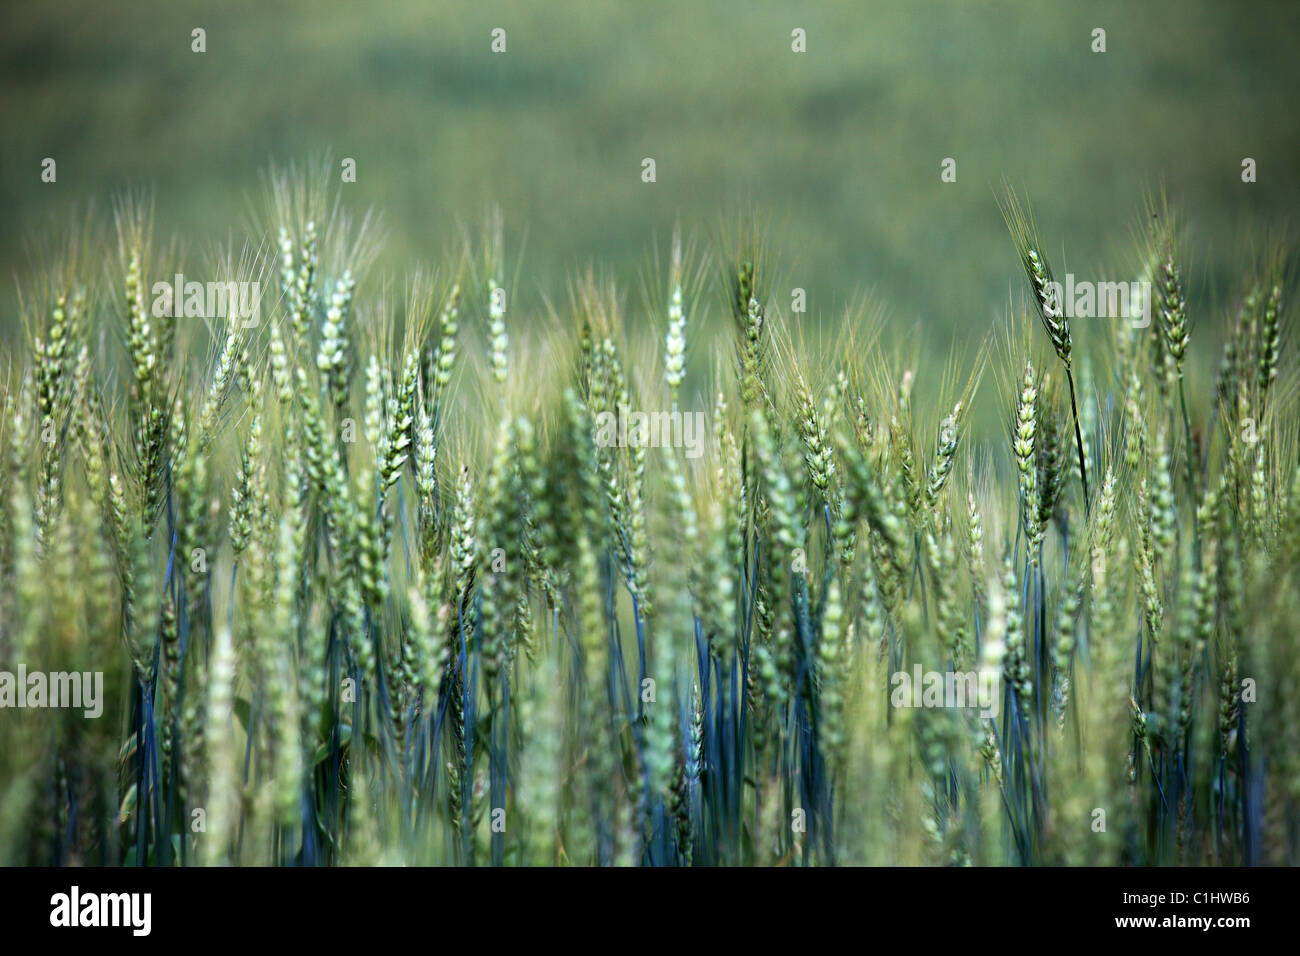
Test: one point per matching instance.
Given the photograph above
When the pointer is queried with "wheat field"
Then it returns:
(388, 573)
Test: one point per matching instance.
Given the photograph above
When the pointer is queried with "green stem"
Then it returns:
(1191, 473)
(1078, 439)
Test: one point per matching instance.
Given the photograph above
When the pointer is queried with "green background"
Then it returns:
(839, 147)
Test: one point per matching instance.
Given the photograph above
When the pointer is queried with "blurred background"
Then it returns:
(839, 147)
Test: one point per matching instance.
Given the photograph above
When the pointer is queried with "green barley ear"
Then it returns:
(1015, 663)
(1140, 734)
(742, 290)
(402, 408)
(227, 365)
(464, 543)
(371, 536)
(990, 751)
(1200, 614)
(60, 379)
(1236, 347)
(332, 359)
(1136, 439)
(372, 421)
(1271, 338)
(388, 420)
(660, 755)
(681, 807)
(140, 335)
(1270, 324)
(1101, 601)
(1104, 527)
(193, 532)
(443, 359)
(1229, 700)
(716, 582)
(1046, 291)
(53, 356)
(223, 780)
(777, 662)
(1164, 507)
(865, 496)
(498, 531)
(819, 457)
(1023, 446)
(430, 662)
(246, 481)
(1144, 559)
(285, 709)
(675, 340)
(1172, 307)
(900, 447)
(944, 456)
(281, 377)
(1051, 310)
(1050, 449)
(750, 316)
(288, 267)
(539, 780)
(975, 547)
(832, 674)
(627, 499)
(426, 485)
(142, 607)
(1064, 641)
(299, 277)
(1170, 298)
(941, 551)
(152, 437)
(499, 341)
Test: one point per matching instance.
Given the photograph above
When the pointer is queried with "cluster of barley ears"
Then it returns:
(366, 588)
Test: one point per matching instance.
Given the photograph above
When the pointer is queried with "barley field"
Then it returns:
(445, 433)
(379, 572)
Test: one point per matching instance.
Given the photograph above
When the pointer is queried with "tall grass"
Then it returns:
(367, 588)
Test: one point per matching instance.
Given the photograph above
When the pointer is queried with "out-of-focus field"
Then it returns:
(840, 147)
